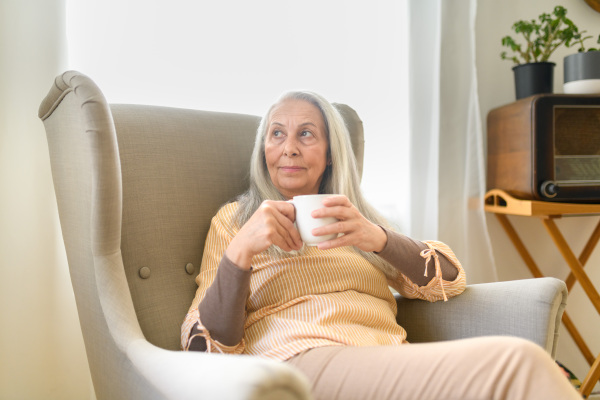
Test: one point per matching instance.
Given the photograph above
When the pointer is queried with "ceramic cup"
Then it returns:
(305, 223)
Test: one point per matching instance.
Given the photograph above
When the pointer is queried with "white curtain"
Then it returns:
(41, 350)
(447, 168)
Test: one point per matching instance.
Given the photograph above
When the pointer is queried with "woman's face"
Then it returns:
(296, 148)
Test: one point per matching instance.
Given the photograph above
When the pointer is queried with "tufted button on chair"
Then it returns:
(136, 188)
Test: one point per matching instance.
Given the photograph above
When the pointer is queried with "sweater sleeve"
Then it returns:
(215, 320)
(428, 270)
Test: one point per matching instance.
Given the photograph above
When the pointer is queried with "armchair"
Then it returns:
(136, 188)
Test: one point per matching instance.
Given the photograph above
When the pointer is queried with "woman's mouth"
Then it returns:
(291, 169)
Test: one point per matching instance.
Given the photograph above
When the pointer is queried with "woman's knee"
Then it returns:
(524, 346)
(524, 353)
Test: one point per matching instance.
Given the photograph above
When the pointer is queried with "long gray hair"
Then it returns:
(341, 177)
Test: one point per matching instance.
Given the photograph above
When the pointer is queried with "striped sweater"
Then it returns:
(316, 298)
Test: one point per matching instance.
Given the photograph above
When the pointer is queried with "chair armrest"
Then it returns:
(528, 308)
(194, 375)
(145, 371)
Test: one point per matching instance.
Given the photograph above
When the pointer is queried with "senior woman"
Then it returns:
(328, 310)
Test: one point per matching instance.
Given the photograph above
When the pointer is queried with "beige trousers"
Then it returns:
(495, 367)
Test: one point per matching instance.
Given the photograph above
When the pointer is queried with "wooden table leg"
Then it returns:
(585, 255)
(573, 262)
(591, 378)
(577, 268)
(578, 339)
(570, 281)
(500, 206)
(535, 271)
(518, 243)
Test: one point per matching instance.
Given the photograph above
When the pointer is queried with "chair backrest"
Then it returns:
(144, 180)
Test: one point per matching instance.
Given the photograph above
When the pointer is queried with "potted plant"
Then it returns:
(582, 70)
(534, 73)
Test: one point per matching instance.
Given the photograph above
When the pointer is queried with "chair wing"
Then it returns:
(136, 188)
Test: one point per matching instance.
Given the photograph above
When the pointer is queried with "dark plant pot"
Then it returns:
(582, 73)
(533, 78)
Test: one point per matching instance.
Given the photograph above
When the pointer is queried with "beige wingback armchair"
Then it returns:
(136, 188)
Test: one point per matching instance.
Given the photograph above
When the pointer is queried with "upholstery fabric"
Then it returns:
(531, 308)
(136, 188)
(179, 167)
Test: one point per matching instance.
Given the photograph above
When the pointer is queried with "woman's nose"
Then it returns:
(290, 148)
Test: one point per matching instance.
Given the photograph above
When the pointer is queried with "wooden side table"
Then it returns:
(502, 204)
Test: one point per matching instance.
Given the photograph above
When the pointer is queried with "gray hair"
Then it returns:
(341, 177)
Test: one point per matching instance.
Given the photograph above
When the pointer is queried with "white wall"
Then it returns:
(496, 88)
(201, 55)
(41, 349)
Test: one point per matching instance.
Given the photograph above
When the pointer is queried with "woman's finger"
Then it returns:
(284, 215)
(336, 200)
(329, 229)
(339, 212)
(285, 208)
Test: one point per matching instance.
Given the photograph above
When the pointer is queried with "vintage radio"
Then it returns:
(546, 147)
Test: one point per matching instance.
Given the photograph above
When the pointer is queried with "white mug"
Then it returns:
(305, 223)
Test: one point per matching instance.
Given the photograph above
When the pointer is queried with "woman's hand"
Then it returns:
(272, 223)
(358, 231)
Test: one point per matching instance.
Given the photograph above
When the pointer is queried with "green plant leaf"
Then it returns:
(543, 36)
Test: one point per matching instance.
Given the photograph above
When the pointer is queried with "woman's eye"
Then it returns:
(306, 133)
(277, 133)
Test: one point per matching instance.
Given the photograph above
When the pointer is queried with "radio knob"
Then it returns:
(549, 189)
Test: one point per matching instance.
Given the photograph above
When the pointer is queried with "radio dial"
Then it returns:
(549, 189)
